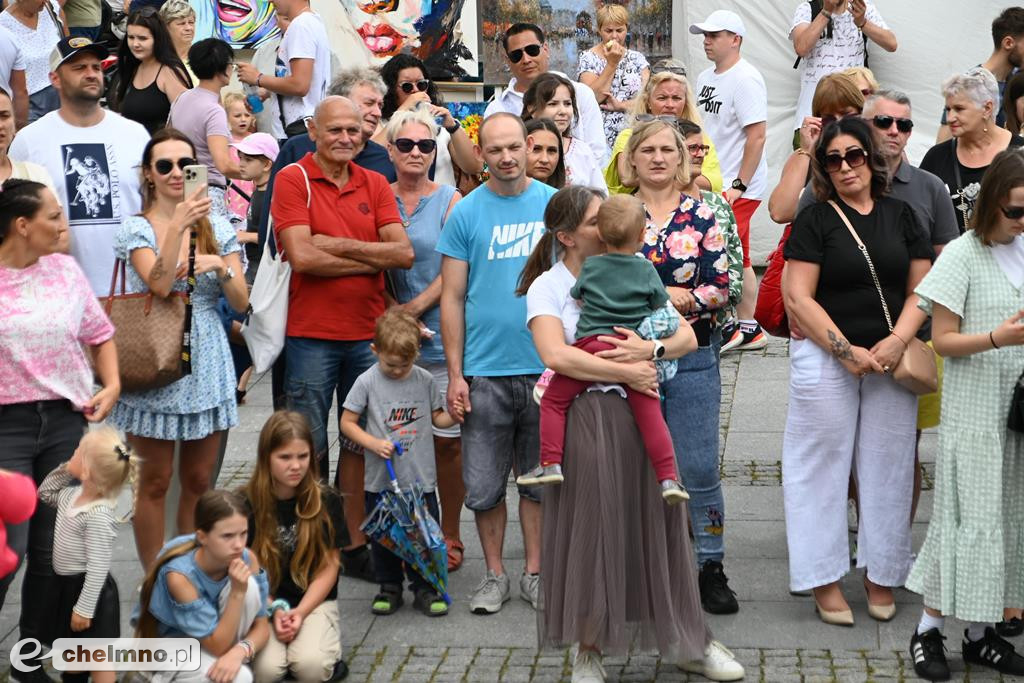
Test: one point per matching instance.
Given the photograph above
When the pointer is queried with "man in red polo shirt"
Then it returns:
(339, 227)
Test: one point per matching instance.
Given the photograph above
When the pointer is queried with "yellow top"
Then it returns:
(711, 169)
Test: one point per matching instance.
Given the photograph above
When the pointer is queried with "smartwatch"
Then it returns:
(455, 127)
(659, 350)
(738, 185)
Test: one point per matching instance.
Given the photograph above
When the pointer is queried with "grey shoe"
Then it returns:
(673, 493)
(492, 592)
(541, 474)
(529, 588)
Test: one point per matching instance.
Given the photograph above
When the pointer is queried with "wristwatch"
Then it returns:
(229, 273)
(455, 127)
(738, 185)
(659, 350)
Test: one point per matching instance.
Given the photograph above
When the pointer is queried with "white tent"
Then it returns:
(936, 39)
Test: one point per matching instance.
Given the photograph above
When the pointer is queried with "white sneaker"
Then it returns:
(529, 588)
(718, 664)
(490, 594)
(587, 667)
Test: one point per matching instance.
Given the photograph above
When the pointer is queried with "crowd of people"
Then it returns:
(548, 301)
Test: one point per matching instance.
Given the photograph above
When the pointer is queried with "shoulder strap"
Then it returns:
(271, 236)
(867, 257)
(816, 7)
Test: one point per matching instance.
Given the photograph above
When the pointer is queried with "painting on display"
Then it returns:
(570, 27)
(362, 33)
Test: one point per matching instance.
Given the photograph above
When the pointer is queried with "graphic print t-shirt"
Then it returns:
(399, 410)
(495, 235)
(96, 172)
(729, 101)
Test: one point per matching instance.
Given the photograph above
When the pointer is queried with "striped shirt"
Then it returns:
(83, 539)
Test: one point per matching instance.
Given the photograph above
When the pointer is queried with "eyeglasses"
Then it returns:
(854, 158)
(885, 123)
(419, 86)
(1014, 213)
(165, 166)
(867, 92)
(516, 56)
(697, 147)
(405, 145)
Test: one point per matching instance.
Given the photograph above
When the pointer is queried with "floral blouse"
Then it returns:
(689, 251)
(626, 84)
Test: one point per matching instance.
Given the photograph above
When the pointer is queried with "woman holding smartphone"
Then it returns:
(200, 406)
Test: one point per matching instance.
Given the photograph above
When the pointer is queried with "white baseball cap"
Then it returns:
(720, 20)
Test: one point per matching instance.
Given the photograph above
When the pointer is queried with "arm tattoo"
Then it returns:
(157, 272)
(839, 347)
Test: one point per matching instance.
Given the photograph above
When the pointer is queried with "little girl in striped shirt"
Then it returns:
(83, 539)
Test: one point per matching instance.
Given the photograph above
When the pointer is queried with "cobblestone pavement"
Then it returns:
(775, 635)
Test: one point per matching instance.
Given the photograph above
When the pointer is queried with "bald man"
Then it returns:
(339, 227)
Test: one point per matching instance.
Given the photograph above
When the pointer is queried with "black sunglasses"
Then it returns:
(1014, 213)
(405, 145)
(165, 166)
(854, 158)
(516, 56)
(419, 86)
(885, 123)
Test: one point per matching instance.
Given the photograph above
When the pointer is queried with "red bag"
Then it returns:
(770, 311)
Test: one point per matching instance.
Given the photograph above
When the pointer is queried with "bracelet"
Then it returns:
(258, 79)
(893, 333)
(861, 26)
(825, 13)
(802, 152)
(250, 650)
(992, 339)
(280, 603)
(455, 127)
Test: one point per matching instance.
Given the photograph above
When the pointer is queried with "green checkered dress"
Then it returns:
(972, 563)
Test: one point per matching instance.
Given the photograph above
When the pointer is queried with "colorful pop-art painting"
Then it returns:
(243, 23)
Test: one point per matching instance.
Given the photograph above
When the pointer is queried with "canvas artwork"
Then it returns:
(570, 27)
(242, 23)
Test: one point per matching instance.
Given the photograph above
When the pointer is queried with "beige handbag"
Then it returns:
(151, 333)
(916, 370)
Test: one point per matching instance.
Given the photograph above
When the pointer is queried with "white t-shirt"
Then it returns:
(96, 171)
(11, 58)
(844, 50)
(36, 45)
(581, 168)
(728, 102)
(1010, 258)
(306, 38)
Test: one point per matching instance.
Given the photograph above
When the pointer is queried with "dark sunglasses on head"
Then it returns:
(885, 123)
(516, 56)
(419, 86)
(405, 145)
(854, 158)
(1014, 213)
(165, 166)
(696, 147)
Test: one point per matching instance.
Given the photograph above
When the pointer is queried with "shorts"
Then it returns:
(929, 404)
(440, 373)
(501, 434)
(744, 209)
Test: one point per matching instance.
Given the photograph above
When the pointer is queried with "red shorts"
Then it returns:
(744, 209)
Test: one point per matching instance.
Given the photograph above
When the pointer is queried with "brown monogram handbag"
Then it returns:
(152, 333)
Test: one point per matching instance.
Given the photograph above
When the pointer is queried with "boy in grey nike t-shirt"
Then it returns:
(400, 401)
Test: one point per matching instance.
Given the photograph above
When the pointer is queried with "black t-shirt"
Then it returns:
(939, 160)
(287, 537)
(845, 288)
(254, 250)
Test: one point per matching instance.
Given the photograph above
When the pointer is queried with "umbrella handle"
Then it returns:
(391, 471)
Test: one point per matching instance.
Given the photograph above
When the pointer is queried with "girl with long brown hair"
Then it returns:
(296, 529)
(198, 408)
(207, 585)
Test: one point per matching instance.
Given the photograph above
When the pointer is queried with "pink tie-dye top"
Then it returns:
(48, 315)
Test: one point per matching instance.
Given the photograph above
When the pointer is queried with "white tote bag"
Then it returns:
(267, 316)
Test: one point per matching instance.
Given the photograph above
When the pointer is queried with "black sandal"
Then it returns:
(388, 600)
(430, 603)
(358, 564)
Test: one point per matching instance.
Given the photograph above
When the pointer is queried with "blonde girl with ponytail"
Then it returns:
(87, 602)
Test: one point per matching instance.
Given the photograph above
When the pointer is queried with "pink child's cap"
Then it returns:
(258, 145)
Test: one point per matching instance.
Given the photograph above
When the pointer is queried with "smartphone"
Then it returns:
(195, 178)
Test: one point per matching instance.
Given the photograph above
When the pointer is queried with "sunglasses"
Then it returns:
(516, 56)
(405, 145)
(419, 86)
(695, 148)
(664, 118)
(866, 92)
(854, 158)
(165, 166)
(1014, 213)
(885, 123)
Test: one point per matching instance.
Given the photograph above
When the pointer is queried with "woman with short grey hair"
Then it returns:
(180, 19)
(972, 101)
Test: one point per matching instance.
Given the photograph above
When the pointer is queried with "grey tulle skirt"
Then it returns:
(617, 568)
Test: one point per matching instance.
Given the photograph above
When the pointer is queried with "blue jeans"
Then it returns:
(692, 405)
(316, 370)
(43, 102)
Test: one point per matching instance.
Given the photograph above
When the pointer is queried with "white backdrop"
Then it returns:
(936, 39)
